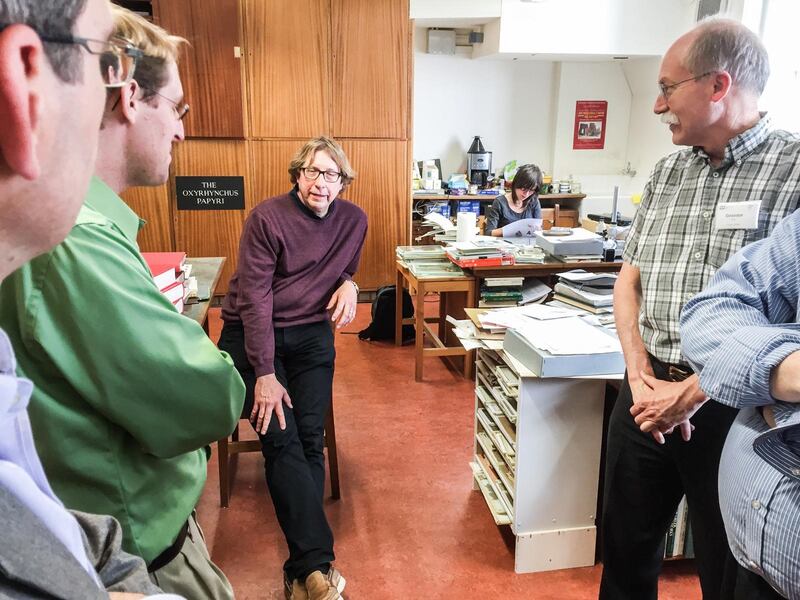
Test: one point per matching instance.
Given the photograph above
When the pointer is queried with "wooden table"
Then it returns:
(207, 271)
(548, 268)
(419, 287)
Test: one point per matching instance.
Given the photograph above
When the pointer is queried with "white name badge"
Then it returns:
(738, 215)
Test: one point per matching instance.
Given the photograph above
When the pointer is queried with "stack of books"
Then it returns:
(172, 276)
(501, 291)
(428, 262)
(480, 253)
(679, 543)
(592, 292)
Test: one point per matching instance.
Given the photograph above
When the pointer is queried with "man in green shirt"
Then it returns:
(128, 392)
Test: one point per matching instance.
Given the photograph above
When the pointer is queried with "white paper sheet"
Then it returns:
(522, 228)
(569, 336)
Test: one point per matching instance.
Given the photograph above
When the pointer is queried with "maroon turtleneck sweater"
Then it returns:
(290, 263)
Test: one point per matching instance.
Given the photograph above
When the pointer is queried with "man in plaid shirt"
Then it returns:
(736, 181)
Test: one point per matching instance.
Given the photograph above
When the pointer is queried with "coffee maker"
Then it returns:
(479, 163)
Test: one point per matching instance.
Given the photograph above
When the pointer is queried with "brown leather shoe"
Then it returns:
(294, 590)
(325, 587)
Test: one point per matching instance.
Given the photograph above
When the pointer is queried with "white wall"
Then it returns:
(508, 103)
(454, 9)
(609, 27)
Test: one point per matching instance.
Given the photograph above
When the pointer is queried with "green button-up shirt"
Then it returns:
(128, 392)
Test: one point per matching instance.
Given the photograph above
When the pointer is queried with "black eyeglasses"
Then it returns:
(118, 56)
(181, 108)
(666, 90)
(312, 173)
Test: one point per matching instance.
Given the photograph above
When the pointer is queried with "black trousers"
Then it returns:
(293, 457)
(746, 584)
(644, 483)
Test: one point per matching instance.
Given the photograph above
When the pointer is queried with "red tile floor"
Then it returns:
(408, 524)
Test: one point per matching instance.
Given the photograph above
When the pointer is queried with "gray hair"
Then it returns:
(52, 18)
(723, 44)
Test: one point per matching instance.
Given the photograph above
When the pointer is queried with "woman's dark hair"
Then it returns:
(51, 18)
(528, 177)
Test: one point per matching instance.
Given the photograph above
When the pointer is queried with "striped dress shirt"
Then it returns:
(735, 332)
(674, 240)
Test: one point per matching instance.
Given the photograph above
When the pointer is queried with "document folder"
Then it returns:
(544, 364)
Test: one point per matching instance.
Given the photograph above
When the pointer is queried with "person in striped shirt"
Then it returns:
(742, 334)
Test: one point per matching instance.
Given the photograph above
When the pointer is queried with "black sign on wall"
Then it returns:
(210, 193)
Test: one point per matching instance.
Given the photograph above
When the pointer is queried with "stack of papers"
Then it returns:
(533, 291)
(592, 292)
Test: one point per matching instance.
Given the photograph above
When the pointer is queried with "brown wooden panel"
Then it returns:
(210, 232)
(371, 46)
(381, 189)
(288, 63)
(210, 73)
(153, 205)
(270, 168)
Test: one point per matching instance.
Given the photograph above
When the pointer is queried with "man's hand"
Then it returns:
(269, 397)
(667, 405)
(343, 302)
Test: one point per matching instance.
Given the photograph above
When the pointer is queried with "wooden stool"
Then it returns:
(228, 449)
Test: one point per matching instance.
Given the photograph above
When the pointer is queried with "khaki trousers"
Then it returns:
(191, 574)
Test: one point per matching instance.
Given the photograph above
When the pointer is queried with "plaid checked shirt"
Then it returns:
(674, 241)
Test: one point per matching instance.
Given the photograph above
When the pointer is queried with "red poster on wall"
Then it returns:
(590, 125)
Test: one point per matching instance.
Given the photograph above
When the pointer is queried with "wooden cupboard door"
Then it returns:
(372, 50)
(153, 205)
(270, 167)
(289, 67)
(548, 218)
(210, 232)
(568, 217)
(382, 188)
(210, 71)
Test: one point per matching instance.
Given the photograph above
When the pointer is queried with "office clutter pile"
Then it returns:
(428, 262)
(550, 341)
(172, 276)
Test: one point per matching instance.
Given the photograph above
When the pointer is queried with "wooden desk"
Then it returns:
(418, 288)
(546, 269)
(208, 272)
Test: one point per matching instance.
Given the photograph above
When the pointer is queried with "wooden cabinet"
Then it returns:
(211, 72)
(380, 189)
(154, 206)
(270, 168)
(289, 67)
(210, 232)
(371, 46)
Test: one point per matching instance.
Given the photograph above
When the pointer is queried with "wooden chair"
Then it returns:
(228, 449)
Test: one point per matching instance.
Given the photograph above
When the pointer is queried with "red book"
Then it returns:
(495, 261)
(165, 267)
(174, 292)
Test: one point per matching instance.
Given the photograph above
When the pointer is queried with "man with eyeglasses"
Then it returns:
(129, 393)
(297, 258)
(51, 98)
(737, 180)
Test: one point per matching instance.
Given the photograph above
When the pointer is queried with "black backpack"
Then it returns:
(382, 326)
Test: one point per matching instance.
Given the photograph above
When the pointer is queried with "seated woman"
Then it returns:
(521, 203)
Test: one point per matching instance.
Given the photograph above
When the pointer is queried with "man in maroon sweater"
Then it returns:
(297, 257)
